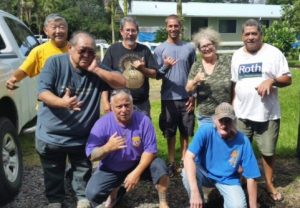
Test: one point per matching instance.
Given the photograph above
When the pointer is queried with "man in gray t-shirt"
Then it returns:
(69, 89)
(177, 106)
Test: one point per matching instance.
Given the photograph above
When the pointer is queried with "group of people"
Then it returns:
(123, 140)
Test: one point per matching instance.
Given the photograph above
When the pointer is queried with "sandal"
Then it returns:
(276, 196)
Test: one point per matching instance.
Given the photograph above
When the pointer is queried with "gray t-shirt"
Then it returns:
(175, 79)
(60, 126)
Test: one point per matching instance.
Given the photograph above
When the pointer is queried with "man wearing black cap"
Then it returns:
(216, 157)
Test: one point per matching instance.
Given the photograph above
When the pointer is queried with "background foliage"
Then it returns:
(96, 17)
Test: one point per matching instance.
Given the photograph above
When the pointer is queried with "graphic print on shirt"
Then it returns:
(250, 70)
(233, 158)
(136, 141)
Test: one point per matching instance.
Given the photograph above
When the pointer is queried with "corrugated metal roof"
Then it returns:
(198, 9)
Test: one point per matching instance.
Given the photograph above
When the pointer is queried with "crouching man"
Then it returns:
(125, 142)
(216, 157)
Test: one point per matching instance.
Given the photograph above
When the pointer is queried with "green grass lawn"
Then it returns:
(289, 102)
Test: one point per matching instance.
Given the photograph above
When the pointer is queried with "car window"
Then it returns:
(25, 39)
(2, 44)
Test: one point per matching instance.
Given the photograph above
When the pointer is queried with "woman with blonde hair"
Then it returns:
(210, 76)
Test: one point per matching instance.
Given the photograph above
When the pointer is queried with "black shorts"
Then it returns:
(173, 115)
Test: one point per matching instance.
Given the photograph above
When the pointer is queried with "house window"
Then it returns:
(227, 26)
(265, 23)
(197, 23)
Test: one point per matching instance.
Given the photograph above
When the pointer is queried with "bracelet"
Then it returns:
(163, 70)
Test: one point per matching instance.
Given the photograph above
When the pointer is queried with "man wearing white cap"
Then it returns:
(217, 156)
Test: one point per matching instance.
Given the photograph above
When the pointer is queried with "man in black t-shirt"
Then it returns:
(139, 61)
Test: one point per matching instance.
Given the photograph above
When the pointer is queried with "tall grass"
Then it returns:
(289, 102)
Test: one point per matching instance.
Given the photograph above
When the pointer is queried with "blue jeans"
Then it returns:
(103, 181)
(202, 120)
(233, 195)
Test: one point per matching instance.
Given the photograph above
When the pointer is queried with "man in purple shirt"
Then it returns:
(125, 142)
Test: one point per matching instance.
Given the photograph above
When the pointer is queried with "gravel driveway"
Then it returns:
(145, 196)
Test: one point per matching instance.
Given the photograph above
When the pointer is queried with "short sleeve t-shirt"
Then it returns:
(61, 126)
(114, 55)
(248, 71)
(221, 158)
(139, 134)
(37, 58)
(216, 88)
(174, 81)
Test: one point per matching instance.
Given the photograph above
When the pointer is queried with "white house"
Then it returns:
(226, 18)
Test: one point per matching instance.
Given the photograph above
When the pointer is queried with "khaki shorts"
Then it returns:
(264, 133)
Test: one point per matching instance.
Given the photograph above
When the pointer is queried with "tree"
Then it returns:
(179, 9)
(179, 14)
(161, 35)
(10, 6)
(110, 7)
(291, 14)
(281, 35)
(88, 15)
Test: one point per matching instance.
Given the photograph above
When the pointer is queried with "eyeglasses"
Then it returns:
(207, 46)
(132, 31)
(61, 27)
(89, 51)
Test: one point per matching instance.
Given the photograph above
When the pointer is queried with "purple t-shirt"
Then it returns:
(140, 137)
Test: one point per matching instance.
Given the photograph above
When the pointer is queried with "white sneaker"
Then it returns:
(83, 203)
(55, 205)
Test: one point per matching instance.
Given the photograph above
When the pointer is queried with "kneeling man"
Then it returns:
(125, 142)
(217, 156)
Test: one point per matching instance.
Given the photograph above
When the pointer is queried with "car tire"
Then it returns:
(11, 164)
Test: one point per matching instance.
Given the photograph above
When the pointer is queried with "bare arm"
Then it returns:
(192, 84)
(282, 81)
(113, 79)
(66, 101)
(133, 177)
(151, 73)
(114, 143)
(167, 65)
(190, 170)
(190, 104)
(252, 191)
(140, 65)
(16, 77)
(266, 86)
(105, 101)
